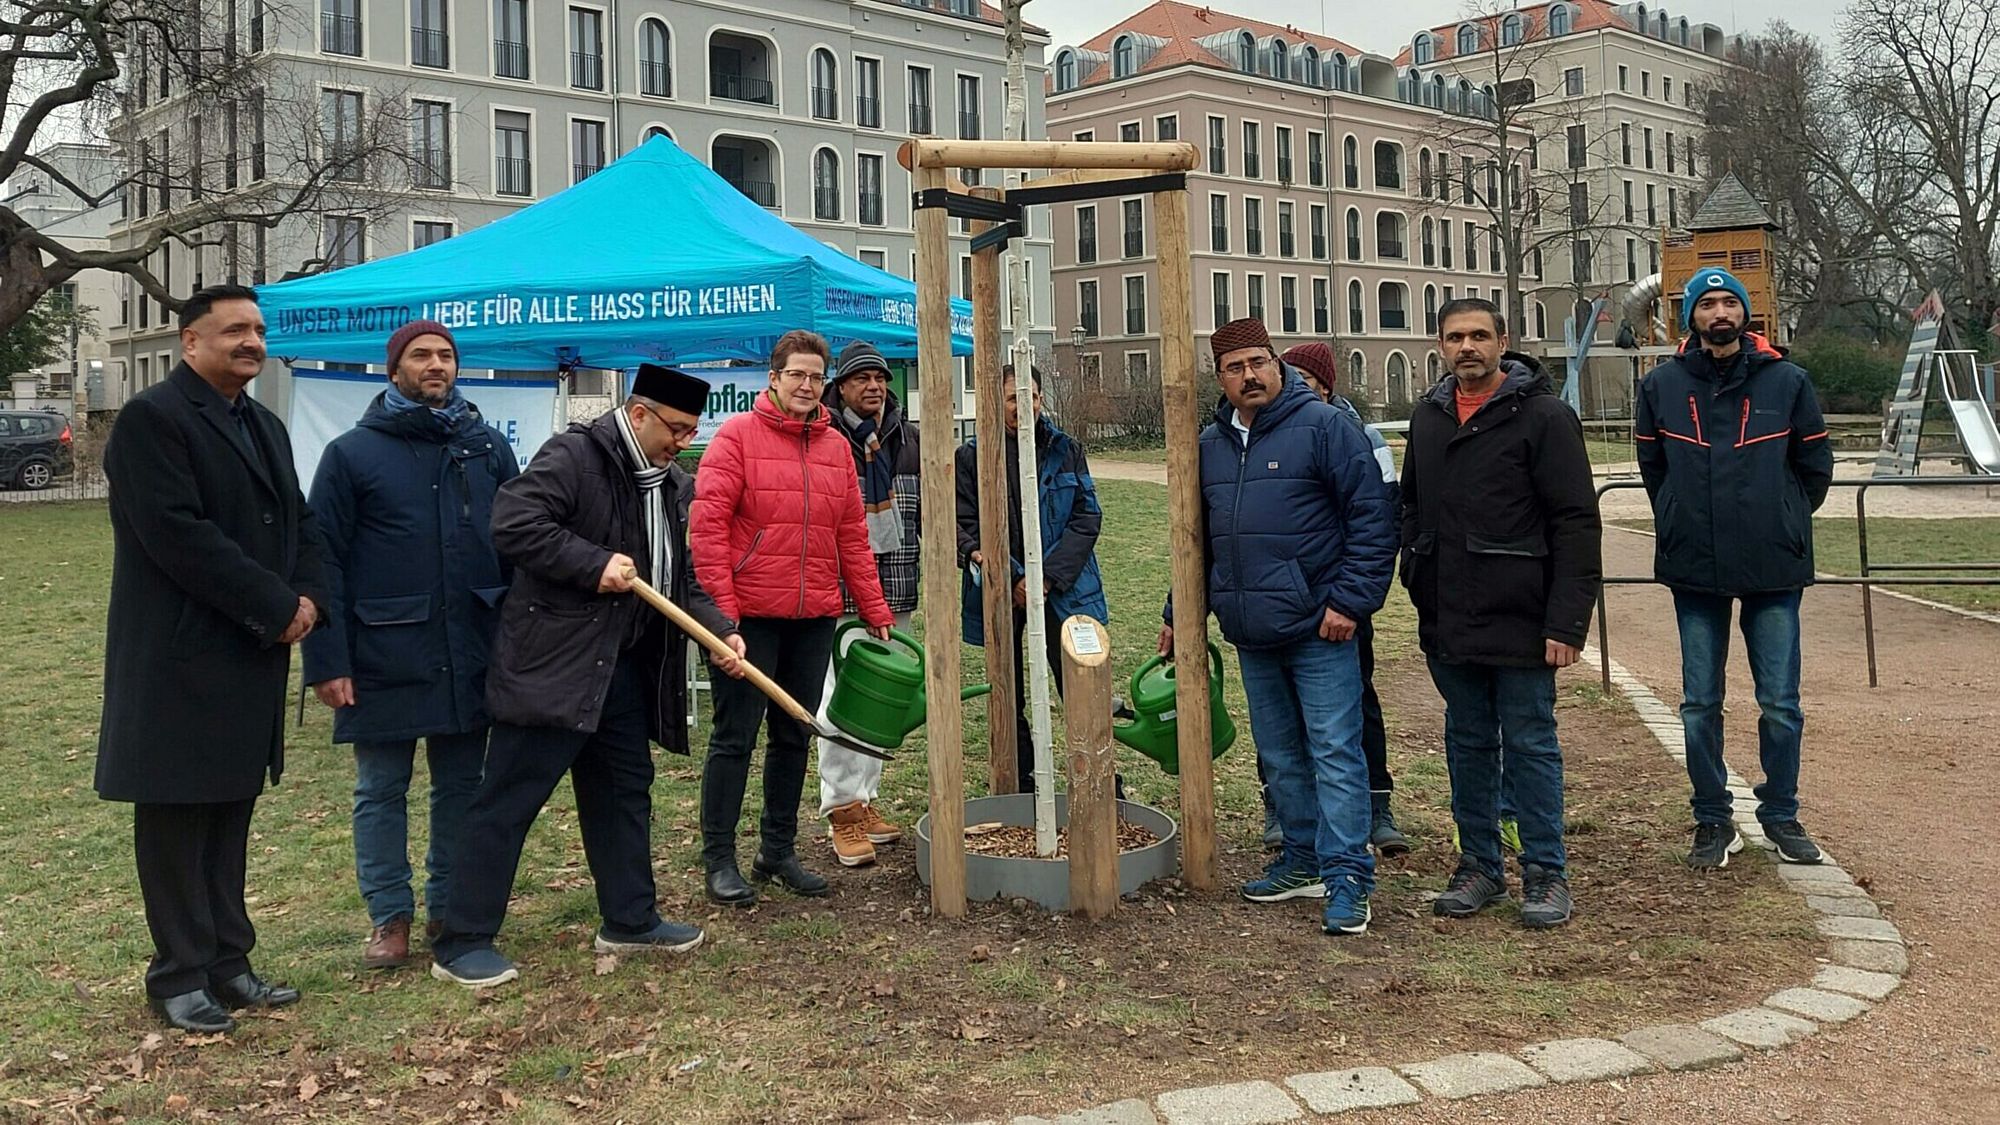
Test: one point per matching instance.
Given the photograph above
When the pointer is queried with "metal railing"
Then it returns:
(656, 79)
(1867, 579)
(741, 88)
(339, 35)
(429, 48)
(920, 118)
(825, 103)
(586, 70)
(763, 193)
(867, 111)
(968, 126)
(516, 176)
(510, 58)
(869, 206)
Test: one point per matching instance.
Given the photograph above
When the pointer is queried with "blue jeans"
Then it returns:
(382, 821)
(1305, 714)
(1770, 624)
(1491, 713)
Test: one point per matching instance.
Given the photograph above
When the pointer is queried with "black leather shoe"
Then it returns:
(252, 991)
(195, 1012)
(726, 887)
(790, 874)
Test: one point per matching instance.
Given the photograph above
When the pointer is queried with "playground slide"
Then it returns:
(1976, 430)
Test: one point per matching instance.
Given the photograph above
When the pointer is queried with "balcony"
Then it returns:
(429, 48)
(1395, 320)
(742, 88)
(749, 164)
(340, 35)
(868, 112)
(920, 119)
(870, 207)
(515, 176)
(510, 58)
(586, 70)
(825, 103)
(968, 125)
(1391, 248)
(656, 79)
(581, 172)
(763, 193)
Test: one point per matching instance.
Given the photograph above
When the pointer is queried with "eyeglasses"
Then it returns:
(679, 431)
(1243, 367)
(793, 375)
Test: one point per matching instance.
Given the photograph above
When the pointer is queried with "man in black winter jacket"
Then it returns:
(1501, 556)
(1734, 454)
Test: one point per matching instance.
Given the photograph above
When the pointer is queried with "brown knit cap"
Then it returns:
(1245, 333)
(1315, 359)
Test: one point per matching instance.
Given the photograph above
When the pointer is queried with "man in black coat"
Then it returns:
(583, 673)
(404, 502)
(1501, 555)
(215, 574)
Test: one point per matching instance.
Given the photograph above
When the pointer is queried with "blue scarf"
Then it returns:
(878, 484)
(451, 413)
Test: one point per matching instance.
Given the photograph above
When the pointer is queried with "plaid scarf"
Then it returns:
(650, 478)
(878, 484)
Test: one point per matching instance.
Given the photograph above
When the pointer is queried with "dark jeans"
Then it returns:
(1024, 740)
(1770, 625)
(611, 772)
(794, 653)
(191, 861)
(382, 820)
(1490, 712)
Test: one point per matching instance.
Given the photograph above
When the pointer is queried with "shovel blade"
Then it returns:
(831, 734)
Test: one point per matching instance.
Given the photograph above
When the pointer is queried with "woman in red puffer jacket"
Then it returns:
(776, 528)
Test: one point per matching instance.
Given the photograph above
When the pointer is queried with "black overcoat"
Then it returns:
(212, 548)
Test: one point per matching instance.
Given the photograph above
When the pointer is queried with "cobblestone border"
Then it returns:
(1866, 961)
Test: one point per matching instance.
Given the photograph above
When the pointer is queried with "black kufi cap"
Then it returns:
(671, 387)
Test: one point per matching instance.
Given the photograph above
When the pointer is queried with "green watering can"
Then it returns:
(878, 687)
(1152, 731)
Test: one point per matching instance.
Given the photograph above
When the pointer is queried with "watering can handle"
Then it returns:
(1140, 674)
(839, 647)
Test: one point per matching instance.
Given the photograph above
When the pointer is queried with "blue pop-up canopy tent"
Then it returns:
(656, 258)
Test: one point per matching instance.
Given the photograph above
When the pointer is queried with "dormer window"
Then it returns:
(1468, 40)
(1124, 58)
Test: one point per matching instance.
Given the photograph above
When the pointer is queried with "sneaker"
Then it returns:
(849, 835)
(1383, 834)
(667, 937)
(388, 945)
(1713, 845)
(1545, 900)
(476, 968)
(1510, 836)
(1346, 908)
(1280, 883)
(879, 830)
(1469, 892)
(1793, 845)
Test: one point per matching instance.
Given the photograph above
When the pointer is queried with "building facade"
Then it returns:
(53, 210)
(799, 103)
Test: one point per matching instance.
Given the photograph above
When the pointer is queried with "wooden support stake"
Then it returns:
(1158, 156)
(1093, 802)
(945, 729)
(1177, 382)
(990, 408)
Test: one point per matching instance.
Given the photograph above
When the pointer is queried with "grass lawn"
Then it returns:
(859, 1006)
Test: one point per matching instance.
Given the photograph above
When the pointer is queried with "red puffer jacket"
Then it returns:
(777, 523)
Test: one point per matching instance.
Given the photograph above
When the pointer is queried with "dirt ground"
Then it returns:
(1899, 784)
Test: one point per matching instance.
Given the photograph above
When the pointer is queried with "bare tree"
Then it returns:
(213, 136)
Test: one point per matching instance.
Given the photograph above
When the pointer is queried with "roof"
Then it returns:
(1731, 207)
(1590, 15)
(988, 13)
(1179, 28)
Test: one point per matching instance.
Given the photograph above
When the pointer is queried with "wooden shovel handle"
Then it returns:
(719, 647)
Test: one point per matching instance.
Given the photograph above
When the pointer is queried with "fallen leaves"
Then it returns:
(972, 1033)
(308, 1088)
(607, 963)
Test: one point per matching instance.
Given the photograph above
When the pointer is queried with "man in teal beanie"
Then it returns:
(1733, 451)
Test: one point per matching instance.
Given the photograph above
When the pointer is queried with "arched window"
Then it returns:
(1486, 100)
(1411, 88)
(825, 86)
(1399, 377)
(1391, 230)
(1437, 92)
(1560, 19)
(1357, 370)
(1430, 241)
(1510, 29)
(826, 185)
(1424, 173)
(1065, 70)
(1357, 316)
(658, 131)
(1350, 169)
(1421, 50)
(1431, 369)
(1338, 79)
(1541, 321)
(1389, 308)
(1124, 58)
(1309, 66)
(1431, 319)
(1246, 53)
(1640, 18)
(1468, 40)
(1684, 31)
(1353, 234)
(656, 60)
(1280, 60)
(1662, 26)
(1389, 165)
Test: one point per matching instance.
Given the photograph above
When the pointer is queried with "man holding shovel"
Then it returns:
(583, 673)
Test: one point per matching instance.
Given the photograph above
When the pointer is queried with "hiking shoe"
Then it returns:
(476, 968)
(1470, 891)
(849, 835)
(1545, 900)
(1346, 908)
(1280, 883)
(1510, 836)
(667, 937)
(1713, 845)
(1793, 845)
(388, 945)
(1382, 833)
(788, 873)
(880, 831)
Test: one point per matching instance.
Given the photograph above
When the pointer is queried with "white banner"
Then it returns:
(327, 404)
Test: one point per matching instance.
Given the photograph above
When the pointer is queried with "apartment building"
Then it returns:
(799, 103)
(1314, 207)
(53, 210)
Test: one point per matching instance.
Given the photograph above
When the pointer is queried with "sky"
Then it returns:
(1385, 28)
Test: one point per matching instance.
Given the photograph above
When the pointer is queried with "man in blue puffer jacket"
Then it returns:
(1734, 454)
(1301, 548)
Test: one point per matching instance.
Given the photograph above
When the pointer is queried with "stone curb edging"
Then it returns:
(1867, 958)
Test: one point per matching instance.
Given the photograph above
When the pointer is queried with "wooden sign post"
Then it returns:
(1093, 799)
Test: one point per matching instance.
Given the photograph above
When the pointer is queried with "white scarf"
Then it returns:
(651, 479)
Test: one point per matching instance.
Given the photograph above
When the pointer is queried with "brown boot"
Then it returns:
(388, 945)
(850, 835)
(879, 831)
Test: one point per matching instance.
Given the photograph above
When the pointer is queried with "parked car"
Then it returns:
(36, 447)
